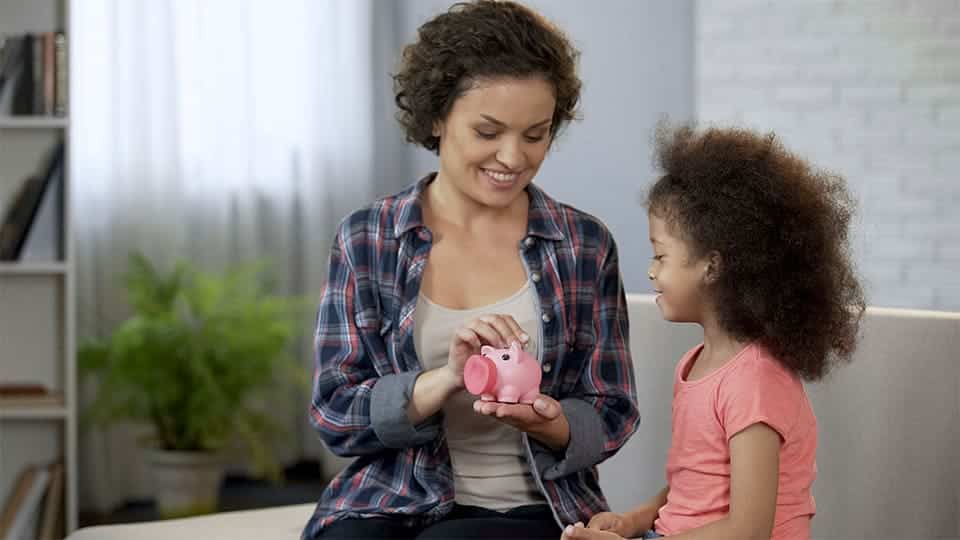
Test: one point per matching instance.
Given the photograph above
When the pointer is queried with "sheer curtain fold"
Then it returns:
(216, 131)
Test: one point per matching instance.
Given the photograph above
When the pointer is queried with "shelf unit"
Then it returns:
(37, 298)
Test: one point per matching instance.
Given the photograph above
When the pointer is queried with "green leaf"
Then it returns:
(197, 350)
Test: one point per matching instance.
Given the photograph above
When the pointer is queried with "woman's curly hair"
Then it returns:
(484, 39)
(786, 277)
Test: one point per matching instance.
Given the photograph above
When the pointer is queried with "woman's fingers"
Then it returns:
(468, 335)
(507, 328)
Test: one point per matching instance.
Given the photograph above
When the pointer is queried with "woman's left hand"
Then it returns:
(544, 421)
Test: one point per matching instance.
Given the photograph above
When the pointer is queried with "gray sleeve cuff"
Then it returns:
(586, 442)
(388, 412)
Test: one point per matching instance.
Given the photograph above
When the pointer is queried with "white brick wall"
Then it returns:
(866, 88)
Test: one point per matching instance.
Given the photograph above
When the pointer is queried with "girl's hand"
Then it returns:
(496, 330)
(611, 522)
(578, 532)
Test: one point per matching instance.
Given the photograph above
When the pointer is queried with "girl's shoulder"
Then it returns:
(756, 369)
(757, 361)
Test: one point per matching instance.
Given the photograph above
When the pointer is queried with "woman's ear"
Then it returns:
(713, 267)
(437, 128)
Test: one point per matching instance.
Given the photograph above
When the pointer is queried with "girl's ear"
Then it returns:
(713, 267)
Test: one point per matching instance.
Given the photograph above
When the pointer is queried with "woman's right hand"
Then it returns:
(496, 330)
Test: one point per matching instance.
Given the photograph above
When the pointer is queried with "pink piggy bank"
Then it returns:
(507, 375)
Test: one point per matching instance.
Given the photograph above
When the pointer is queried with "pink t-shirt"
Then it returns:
(752, 387)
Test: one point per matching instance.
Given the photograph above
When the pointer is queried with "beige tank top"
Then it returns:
(489, 467)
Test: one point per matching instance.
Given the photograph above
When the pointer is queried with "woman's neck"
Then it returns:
(445, 202)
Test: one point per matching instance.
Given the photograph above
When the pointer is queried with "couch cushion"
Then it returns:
(281, 523)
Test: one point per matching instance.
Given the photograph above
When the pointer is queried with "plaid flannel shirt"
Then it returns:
(366, 363)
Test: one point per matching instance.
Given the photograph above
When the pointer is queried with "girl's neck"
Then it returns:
(719, 346)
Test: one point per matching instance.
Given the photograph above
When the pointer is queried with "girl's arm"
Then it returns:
(754, 477)
(641, 518)
(610, 525)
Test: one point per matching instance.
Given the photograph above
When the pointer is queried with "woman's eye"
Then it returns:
(485, 135)
(534, 139)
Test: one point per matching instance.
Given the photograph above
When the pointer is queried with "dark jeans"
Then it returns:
(533, 522)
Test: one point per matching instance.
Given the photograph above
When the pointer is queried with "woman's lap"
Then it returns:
(362, 529)
(528, 522)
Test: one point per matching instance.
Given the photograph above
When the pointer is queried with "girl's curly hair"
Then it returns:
(484, 39)
(781, 228)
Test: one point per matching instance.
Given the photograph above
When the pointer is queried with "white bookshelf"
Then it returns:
(37, 298)
(33, 122)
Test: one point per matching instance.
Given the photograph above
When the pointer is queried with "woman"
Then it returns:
(474, 254)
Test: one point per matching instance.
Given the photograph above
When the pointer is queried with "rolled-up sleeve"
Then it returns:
(602, 411)
(356, 410)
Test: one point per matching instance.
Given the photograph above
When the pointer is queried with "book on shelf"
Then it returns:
(28, 395)
(34, 220)
(51, 522)
(33, 509)
(33, 74)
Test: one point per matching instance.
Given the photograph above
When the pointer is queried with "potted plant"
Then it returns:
(192, 360)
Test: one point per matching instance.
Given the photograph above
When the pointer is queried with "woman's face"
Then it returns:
(495, 138)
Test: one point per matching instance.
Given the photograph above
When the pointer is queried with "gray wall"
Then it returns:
(636, 64)
(869, 90)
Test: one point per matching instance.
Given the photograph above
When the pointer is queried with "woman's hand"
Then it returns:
(544, 421)
(578, 532)
(495, 330)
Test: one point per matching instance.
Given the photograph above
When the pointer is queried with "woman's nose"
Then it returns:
(510, 155)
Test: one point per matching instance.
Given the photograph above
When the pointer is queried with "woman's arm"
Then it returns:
(754, 478)
(355, 410)
(582, 430)
(602, 409)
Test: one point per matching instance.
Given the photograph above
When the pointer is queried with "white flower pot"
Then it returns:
(185, 483)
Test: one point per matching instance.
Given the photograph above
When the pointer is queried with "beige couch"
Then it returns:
(889, 455)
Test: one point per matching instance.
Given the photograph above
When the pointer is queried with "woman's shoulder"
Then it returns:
(574, 224)
(381, 218)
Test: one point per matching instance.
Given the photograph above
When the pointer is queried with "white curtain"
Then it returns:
(219, 131)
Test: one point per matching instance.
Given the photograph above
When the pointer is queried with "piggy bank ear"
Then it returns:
(486, 349)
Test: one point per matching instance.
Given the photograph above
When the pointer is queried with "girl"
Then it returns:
(750, 243)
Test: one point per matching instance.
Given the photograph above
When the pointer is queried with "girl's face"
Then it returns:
(677, 278)
(495, 138)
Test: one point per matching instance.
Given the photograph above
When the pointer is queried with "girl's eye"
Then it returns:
(485, 135)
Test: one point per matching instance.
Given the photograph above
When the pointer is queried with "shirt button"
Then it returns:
(529, 241)
(547, 367)
(535, 276)
(546, 317)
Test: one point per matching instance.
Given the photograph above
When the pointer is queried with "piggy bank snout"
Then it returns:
(480, 375)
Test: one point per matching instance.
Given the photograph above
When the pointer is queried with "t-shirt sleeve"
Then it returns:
(759, 392)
